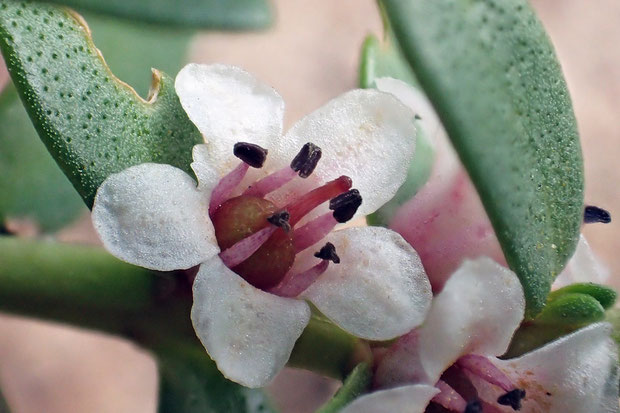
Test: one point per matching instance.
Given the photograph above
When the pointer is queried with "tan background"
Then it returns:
(310, 57)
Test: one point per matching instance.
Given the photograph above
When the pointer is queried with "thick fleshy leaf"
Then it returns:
(93, 124)
(354, 386)
(191, 383)
(249, 333)
(383, 59)
(490, 70)
(31, 186)
(577, 373)
(212, 14)
(153, 216)
(379, 290)
(477, 312)
(229, 105)
(571, 309)
(406, 399)
(366, 135)
(605, 295)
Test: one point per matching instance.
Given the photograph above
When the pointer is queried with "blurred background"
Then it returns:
(310, 55)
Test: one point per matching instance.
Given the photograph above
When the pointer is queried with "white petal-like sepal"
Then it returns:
(477, 312)
(584, 266)
(577, 373)
(207, 174)
(365, 134)
(404, 399)
(249, 333)
(229, 105)
(379, 290)
(153, 216)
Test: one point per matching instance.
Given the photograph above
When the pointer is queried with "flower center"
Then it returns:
(259, 239)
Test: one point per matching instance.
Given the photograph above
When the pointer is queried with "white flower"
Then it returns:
(157, 217)
(470, 323)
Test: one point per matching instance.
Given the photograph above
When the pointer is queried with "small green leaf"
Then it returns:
(31, 186)
(530, 336)
(92, 123)
(383, 59)
(571, 309)
(212, 14)
(491, 73)
(191, 383)
(606, 296)
(356, 384)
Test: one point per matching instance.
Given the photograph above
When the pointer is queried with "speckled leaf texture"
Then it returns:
(489, 69)
(212, 14)
(92, 123)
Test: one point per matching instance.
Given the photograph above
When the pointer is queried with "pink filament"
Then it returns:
(449, 398)
(243, 249)
(313, 231)
(294, 284)
(483, 368)
(271, 182)
(307, 202)
(222, 190)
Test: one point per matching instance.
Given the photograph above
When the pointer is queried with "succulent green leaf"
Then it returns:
(191, 383)
(356, 384)
(605, 295)
(489, 69)
(211, 14)
(530, 336)
(573, 309)
(32, 187)
(92, 123)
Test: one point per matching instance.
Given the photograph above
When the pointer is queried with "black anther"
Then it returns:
(593, 214)
(280, 219)
(328, 252)
(473, 406)
(512, 398)
(250, 153)
(306, 160)
(345, 205)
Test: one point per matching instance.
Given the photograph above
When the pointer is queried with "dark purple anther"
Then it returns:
(250, 153)
(593, 214)
(280, 219)
(306, 160)
(345, 205)
(512, 398)
(473, 406)
(328, 252)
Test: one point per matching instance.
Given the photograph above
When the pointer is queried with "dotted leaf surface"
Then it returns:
(92, 123)
(491, 73)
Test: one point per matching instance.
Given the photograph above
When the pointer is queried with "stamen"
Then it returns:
(294, 284)
(593, 214)
(243, 249)
(473, 406)
(222, 190)
(483, 368)
(306, 203)
(306, 160)
(449, 398)
(280, 219)
(271, 182)
(328, 253)
(512, 398)
(345, 205)
(250, 153)
(313, 231)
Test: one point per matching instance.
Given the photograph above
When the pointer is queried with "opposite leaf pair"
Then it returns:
(155, 216)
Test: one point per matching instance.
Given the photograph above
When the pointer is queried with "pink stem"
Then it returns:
(483, 368)
(449, 398)
(313, 231)
(222, 190)
(243, 249)
(307, 202)
(294, 284)
(271, 182)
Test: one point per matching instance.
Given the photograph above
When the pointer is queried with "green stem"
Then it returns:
(87, 287)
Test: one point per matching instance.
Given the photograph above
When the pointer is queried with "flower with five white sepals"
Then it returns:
(156, 216)
(469, 325)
